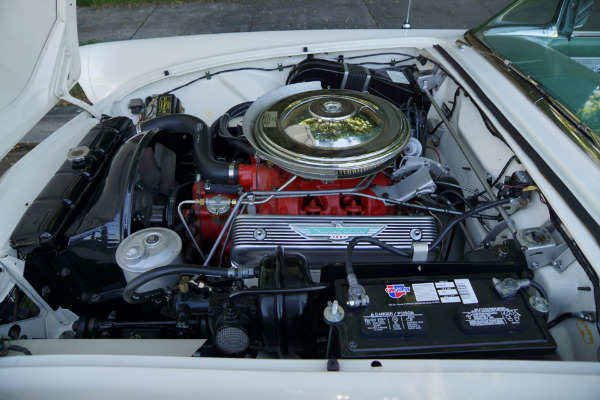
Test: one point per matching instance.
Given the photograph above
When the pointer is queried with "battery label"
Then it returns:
(399, 323)
(491, 318)
(425, 292)
(441, 292)
(398, 77)
(466, 291)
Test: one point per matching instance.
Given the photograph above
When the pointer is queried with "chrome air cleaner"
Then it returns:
(326, 134)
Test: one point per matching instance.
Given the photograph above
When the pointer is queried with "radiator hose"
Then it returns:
(204, 160)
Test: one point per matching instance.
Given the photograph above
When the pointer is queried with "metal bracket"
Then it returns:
(420, 252)
(251, 207)
(417, 183)
(411, 163)
(81, 104)
(51, 324)
(539, 246)
(491, 236)
(62, 91)
(430, 80)
(564, 259)
(461, 44)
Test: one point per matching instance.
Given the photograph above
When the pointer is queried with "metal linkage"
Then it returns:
(187, 228)
(473, 162)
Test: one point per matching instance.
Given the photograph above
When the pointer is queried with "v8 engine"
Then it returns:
(318, 220)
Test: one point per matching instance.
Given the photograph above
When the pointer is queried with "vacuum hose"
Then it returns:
(206, 165)
(131, 296)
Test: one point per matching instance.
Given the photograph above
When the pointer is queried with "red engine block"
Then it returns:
(263, 177)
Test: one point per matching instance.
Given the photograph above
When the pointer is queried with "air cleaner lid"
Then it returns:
(330, 134)
(329, 123)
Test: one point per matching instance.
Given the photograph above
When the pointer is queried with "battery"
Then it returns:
(455, 316)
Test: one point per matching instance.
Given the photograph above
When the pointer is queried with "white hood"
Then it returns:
(39, 62)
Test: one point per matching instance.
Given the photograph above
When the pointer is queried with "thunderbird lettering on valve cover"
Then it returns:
(423, 204)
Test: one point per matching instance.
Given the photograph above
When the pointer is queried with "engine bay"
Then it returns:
(361, 207)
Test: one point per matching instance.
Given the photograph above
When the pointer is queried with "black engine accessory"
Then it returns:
(286, 320)
(49, 216)
(277, 317)
(204, 158)
(395, 84)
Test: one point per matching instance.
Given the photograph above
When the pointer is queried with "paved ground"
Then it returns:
(218, 16)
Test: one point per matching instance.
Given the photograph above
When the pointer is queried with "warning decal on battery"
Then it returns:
(425, 292)
(444, 292)
(491, 317)
(399, 322)
(466, 291)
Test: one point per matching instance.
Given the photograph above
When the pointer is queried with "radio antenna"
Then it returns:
(406, 25)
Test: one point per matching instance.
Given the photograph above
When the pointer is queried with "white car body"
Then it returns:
(114, 73)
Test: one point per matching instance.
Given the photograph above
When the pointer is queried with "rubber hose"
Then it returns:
(204, 160)
(239, 143)
(243, 147)
(540, 289)
(368, 239)
(464, 216)
(561, 318)
(248, 292)
(130, 295)
(436, 242)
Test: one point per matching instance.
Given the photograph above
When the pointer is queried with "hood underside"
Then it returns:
(39, 63)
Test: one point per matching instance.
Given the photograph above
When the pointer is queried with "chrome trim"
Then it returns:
(335, 231)
(346, 74)
(593, 34)
(367, 80)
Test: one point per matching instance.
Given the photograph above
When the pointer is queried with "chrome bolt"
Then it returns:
(260, 234)
(152, 239)
(503, 251)
(333, 313)
(539, 303)
(559, 265)
(133, 251)
(416, 234)
(332, 106)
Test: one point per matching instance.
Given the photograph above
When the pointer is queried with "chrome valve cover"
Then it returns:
(323, 240)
